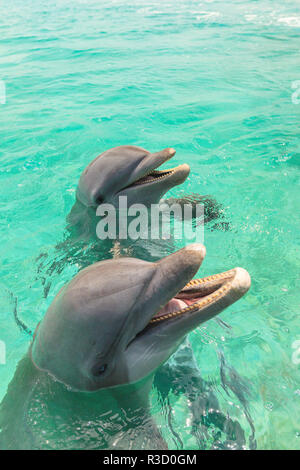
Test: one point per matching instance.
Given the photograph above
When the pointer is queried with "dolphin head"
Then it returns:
(118, 320)
(128, 171)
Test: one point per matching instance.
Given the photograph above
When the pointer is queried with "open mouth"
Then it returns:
(197, 294)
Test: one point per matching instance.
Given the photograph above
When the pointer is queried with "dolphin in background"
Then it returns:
(121, 171)
(86, 378)
(132, 172)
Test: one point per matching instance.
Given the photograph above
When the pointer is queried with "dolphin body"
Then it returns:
(85, 380)
(132, 172)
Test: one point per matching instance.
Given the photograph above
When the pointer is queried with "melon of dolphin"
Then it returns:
(106, 331)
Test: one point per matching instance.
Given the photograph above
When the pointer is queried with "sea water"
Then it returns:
(218, 81)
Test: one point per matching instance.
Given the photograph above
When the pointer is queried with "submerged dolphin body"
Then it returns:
(107, 331)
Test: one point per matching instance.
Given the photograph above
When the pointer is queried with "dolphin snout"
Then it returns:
(165, 154)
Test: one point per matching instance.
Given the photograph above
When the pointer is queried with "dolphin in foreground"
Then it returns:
(86, 378)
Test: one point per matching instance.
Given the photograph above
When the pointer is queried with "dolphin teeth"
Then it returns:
(202, 302)
(221, 276)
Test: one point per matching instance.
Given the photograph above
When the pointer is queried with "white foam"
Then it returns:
(293, 21)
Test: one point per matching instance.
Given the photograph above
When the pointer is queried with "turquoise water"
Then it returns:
(212, 79)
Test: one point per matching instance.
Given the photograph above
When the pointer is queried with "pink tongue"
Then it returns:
(172, 306)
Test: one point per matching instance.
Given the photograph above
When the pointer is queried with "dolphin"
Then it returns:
(132, 172)
(129, 171)
(124, 171)
(85, 380)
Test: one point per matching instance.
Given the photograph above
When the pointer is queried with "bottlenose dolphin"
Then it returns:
(129, 171)
(85, 380)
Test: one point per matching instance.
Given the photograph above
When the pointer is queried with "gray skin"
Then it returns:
(94, 354)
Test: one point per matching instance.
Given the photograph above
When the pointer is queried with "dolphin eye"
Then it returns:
(99, 370)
